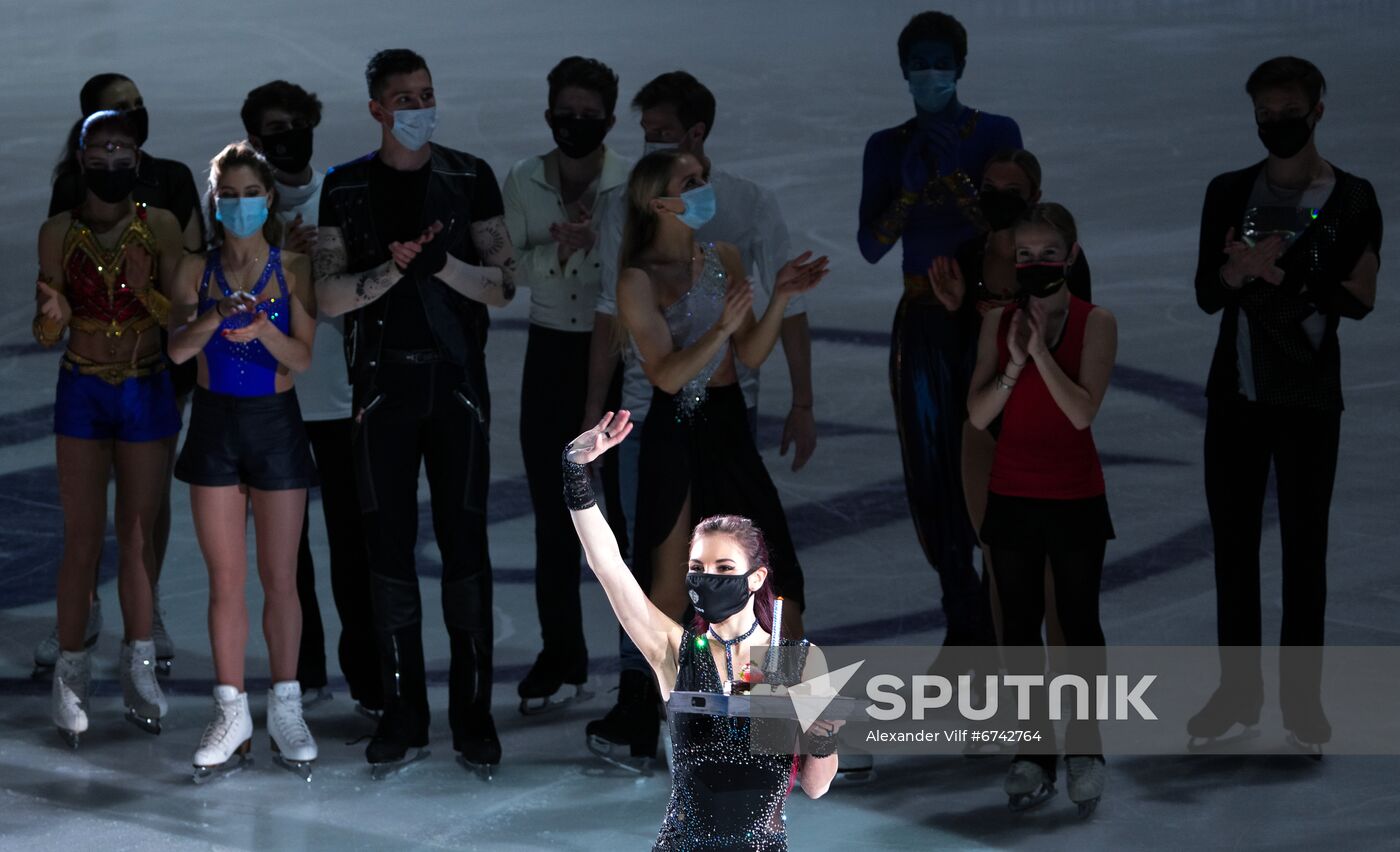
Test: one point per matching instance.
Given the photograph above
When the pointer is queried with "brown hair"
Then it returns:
(234, 155)
(1052, 215)
(1021, 159)
(750, 540)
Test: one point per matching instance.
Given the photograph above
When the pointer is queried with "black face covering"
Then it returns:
(1285, 137)
(716, 597)
(578, 137)
(1038, 280)
(111, 185)
(140, 121)
(289, 151)
(1001, 207)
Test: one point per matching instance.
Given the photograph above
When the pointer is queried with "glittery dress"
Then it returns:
(723, 796)
(698, 443)
(244, 369)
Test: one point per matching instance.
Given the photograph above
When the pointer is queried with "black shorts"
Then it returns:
(1028, 523)
(258, 441)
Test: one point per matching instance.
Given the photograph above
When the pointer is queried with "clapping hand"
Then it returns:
(405, 252)
(1245, 261)
(609, 432)
(1018, 336)
(258, 326)
(53, 305)
(800, 274)
(738, 306)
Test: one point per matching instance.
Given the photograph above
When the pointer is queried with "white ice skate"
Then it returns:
(293, 747)
(1086, 781)
(72, 677)
(1027, 785)
(224, 747)
(145, 703)
(165, 647)
(46, 652)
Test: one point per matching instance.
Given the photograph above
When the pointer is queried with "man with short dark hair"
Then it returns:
(412, 247)
(1289, 246)
(280, 119)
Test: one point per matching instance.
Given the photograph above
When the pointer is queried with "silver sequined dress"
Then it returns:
(690, 317)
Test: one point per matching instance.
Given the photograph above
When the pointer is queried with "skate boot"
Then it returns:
(46, 652)
(547, 687)
(315, 695)
(1227, 707)
(145, 704)
(369, 713)
(1308, 728)
(480, 750)
(224, 748)
(1086, 780)
(1027, 785)
(165, 648)
(399, 741)
(293, 747)
(72, 678)
(627, 736)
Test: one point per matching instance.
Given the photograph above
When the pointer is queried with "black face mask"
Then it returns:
(1285, 137)
(1001, 207)
(289, 151)
(578, 137)
(716, 597)
(140, 122)
(1038, 280)
(111, 185)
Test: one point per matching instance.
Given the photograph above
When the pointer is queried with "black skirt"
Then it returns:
(1028, 523)
(712, 456)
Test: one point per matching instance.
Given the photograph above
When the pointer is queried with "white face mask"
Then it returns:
(414, 127)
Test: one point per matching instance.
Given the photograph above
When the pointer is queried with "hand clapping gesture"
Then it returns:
(1257, 261)
(738, 306)
(800, 275)
(405, 252)
(53, 305)
(609, 432)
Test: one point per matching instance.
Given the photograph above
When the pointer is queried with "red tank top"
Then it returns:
(1039, 452)
(96, 277)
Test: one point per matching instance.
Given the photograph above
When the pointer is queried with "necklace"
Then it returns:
(242, 269)
(729, 644)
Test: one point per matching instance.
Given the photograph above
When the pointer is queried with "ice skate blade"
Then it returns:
(381, 771)
(635, 764)
(372, 715)
(1312, 750)
(484, 771)
(1019, 802)
(1207, 745)
(146, 723)
(70, 738)
(301, 768)
(549, 703)
(237, 763)
(164, 665)
(1087, 807)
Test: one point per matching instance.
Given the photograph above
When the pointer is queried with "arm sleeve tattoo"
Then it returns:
(493, 282)
(339, 292)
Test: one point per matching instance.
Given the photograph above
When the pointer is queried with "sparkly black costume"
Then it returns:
(723, 796)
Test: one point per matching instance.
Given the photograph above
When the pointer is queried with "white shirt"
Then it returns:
(746, 215)
(561, 298)
(324, 390)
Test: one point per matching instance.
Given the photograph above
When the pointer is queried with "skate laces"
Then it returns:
(142, 673)
(291, 723)
(218, 730)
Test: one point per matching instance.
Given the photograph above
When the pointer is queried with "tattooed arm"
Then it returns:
(493, 282)
(339, 292)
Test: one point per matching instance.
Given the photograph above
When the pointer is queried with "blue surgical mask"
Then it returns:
(242, 217)
(414, 127)
(699, 206)
(653, 147)
(932, 88)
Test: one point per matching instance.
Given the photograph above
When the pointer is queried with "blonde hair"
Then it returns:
(1055, 216)
(234, 155)
(648, 182)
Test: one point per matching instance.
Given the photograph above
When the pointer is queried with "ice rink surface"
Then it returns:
(1131, 106)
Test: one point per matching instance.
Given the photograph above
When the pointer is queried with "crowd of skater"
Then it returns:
(328, 328)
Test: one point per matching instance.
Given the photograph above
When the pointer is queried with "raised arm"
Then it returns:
(668, 368)
(655, 635)
(339, 292)
(817, 764)
(754, 341)
(989, 389)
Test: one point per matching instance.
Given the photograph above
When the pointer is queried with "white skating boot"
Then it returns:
(1086, 781)
(145, 704)
(293, 747)
(224, 747)
(46, 652)
(72, 677)
(165, 648)
(1027, 785)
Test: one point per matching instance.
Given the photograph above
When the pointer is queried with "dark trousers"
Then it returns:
(1076, 572)
(434, 416)
(358, 650)
(553, 394)
(1242, 439)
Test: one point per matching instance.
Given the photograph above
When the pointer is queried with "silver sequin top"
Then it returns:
(690, 317)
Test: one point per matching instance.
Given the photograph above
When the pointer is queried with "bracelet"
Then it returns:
(819, 745)
(578, 487)
(43, 335)
(1002, 383)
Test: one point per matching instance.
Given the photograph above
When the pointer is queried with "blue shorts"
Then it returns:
(137, 409)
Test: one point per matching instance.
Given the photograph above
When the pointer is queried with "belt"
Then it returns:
(114, 374)
(409, 356)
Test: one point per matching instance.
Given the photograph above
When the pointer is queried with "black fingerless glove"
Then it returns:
(819, 746)
(578, 486)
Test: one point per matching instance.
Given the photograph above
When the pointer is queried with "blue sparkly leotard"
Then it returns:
(244, 369)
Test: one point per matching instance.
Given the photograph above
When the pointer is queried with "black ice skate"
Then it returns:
(1308, 730)
(398, 742)
(548, 687)
(1027, 786)
(627, 736)
(1226, 708)
(480, 752)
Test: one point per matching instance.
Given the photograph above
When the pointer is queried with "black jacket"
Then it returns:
(1288, 370)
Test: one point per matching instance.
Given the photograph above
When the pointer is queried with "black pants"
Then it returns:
(1077, 569)
(1242, 439)
(552, 398)
(358, 651)
(433, 415)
